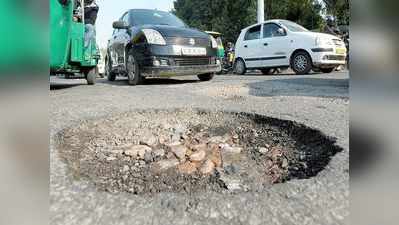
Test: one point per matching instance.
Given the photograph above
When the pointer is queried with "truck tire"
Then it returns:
(91, 76)
(206, 77)
(133, 70)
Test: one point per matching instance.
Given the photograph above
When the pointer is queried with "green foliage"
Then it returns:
(230, 16)
(304, 12)
(339, 9)
(225, 16)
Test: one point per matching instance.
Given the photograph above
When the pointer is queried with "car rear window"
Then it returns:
(253, 33)
(155, 17)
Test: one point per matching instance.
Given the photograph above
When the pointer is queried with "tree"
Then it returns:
(304, 12)
(340, 9)
(231, 16)
(225, 16)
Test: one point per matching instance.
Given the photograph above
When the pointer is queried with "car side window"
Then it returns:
(271, 30)
(253, 33)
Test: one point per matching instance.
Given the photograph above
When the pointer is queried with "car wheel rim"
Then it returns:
(131, 68)
(300, 62)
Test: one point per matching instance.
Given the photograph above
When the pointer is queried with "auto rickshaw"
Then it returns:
(69, 53)
(227, 58)
(218, 37)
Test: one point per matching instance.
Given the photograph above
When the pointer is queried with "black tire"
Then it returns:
(91, 76)
(327, 70)
(206, 77)
(266, 71)
(240, 67)
(108, 70)
(133, 70)
(301, 63)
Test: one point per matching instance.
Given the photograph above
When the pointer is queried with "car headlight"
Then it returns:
(154, 37)
(323, 42)
(214, 42)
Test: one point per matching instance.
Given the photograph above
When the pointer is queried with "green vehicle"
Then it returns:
(69, 54)
(218, 37)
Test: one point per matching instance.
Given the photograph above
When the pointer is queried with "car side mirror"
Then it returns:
(120, 25)
(281, 31)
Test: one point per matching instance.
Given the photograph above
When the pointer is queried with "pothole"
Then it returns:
(188, 151)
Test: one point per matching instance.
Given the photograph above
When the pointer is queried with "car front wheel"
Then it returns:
(108, 71)
(301, 63)
(240, 67)
(133, 70)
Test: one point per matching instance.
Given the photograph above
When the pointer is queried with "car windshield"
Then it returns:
(293, 26)
(154, 17)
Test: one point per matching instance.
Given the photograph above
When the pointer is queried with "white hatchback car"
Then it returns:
(282, 44)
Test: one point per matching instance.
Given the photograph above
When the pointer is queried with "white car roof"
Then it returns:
(278, 21)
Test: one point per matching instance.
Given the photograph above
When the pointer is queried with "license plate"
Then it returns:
(340, 51)
(193, 51)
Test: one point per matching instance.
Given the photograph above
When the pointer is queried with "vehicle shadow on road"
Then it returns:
(151, 81)
(55, 87)
(283, 74)
(304, 86)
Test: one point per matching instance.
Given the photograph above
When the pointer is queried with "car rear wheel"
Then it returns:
(206, 77)
(133, 70)
(240, 67)
(91, 76)
(301, 63)
(108, 71)
(327, 70)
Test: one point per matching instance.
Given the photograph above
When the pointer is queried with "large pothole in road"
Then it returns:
(146, 152)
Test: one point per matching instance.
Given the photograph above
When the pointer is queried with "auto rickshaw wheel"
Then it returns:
(91, 76)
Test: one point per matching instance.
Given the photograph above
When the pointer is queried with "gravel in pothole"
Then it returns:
(188, 151)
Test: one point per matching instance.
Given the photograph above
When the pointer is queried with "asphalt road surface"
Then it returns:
(320, 101)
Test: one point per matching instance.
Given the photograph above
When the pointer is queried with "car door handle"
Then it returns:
(245, 46)
(265, 44)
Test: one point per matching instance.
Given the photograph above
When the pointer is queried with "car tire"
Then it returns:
(266, 71)
(91, 76)
(108, 71)
(240, 67)
(133, 70)
(301, 63)
(327, 70)
(206, 77)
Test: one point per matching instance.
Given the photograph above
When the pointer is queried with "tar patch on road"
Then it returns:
(304, 86)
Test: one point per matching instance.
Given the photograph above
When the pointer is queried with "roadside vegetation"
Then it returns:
(230, 16)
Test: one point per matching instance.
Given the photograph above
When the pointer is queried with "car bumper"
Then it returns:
(168, 61)
(329, 60)
(327, 57)
(170, 71)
